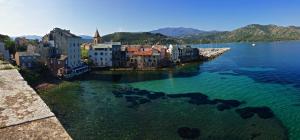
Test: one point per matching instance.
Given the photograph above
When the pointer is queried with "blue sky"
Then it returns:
(24, 17)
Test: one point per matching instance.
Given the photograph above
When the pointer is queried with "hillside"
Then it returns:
(177, 32)
(139, 38)
(250, 33)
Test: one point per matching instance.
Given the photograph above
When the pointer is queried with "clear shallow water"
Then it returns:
(265, 75)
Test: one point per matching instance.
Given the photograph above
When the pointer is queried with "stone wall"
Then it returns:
(23, 114)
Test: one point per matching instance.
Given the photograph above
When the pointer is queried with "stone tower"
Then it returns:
(97, 38)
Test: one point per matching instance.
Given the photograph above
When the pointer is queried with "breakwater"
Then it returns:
(211, 53)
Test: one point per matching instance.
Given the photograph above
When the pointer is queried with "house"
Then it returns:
(4, 53)
(67, 44)
(46, 51)
(101, 55)
(141, 57)
(106, 54)
(27, 59)
(187, 53)
(173, 52)
(63, 49)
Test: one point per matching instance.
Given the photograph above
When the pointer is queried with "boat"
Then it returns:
(253, 45)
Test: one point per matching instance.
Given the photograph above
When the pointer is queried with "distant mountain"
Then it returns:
(249, 33)
(86, 37)
(140, 38)
(31, 37)
(178, 32)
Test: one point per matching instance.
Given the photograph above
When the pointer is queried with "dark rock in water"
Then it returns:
(262, 112)
(143, 101)
(232, 103)
(155, 95)
(188, 133)
(189, 95)
(255, 135)
(222, 107)
(143, 92)
(244, 113)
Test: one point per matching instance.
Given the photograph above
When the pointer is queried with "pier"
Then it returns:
(23, 114)
(211, 53)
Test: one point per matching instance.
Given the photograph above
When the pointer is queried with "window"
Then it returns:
(96, 53)
(101, 53)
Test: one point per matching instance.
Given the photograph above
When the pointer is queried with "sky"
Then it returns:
(82, 17)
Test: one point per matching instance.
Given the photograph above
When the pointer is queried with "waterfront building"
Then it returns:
(187, 53)
(143, 57)
(173, 52)
(62, 50)
(4, 53)
(27, 59)
(106, 54)
(67, 44)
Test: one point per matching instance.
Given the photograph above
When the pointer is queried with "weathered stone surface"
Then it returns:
(19, 102)
(44, 129)
(23, 114)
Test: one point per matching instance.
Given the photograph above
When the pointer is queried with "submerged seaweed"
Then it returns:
(262, 112)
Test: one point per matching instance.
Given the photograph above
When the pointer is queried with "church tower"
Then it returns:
(97, 38)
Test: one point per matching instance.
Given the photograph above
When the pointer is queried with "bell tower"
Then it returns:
(97, 38)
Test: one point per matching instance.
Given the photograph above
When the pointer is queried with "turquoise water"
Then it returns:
(266, 75)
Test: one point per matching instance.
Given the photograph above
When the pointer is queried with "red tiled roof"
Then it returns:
(143, 53)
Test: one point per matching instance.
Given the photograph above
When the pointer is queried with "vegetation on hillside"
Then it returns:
(140, 38)
(250, 33)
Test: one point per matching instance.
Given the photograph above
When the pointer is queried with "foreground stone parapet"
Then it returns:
(210, 53)
(44, 129)
(23, 114)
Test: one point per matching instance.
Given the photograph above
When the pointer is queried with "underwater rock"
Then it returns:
(262, 112)
(143, 101)
(155, 95)
(188, 133)
(222, 107)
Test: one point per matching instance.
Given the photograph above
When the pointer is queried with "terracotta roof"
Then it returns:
(132, 49)
(143, 53)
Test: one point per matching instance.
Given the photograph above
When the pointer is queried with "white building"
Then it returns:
(174, 53)
(68, 44)
(101, 55)
(4, 54)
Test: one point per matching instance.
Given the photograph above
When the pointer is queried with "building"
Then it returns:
(46, 51)
(173, 52)
(61, 52)
(26, 59)
(106, 54)
(97, 38)
(142, 57)
(187, 53)
(4, 54)
(31, 48)
(67, 44)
